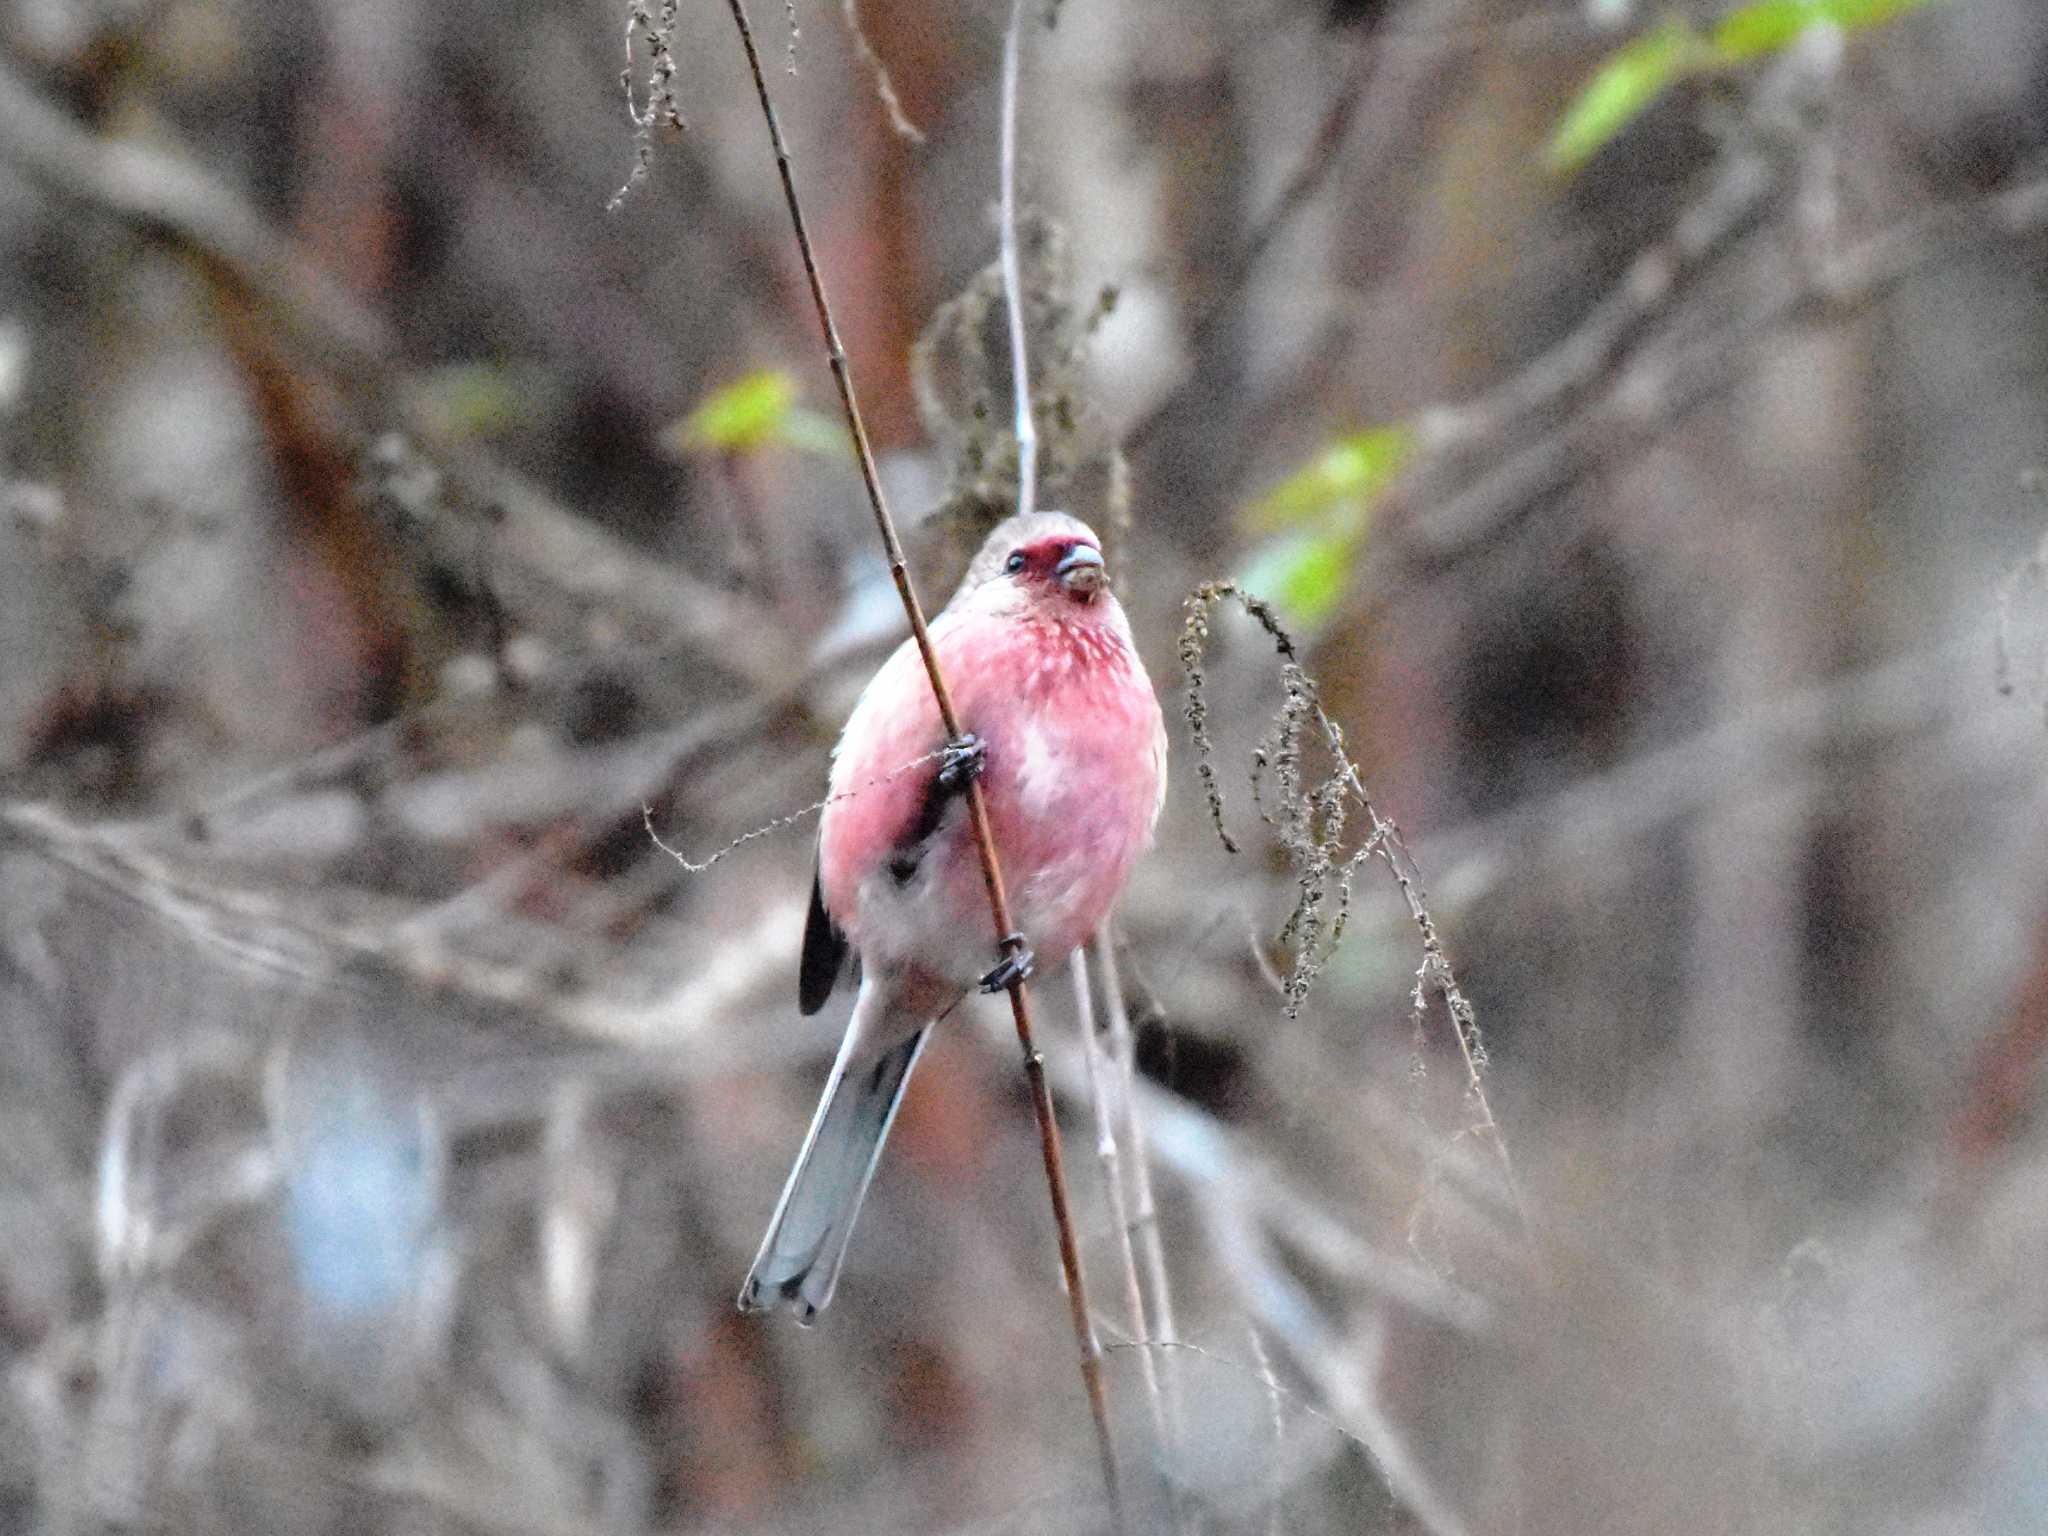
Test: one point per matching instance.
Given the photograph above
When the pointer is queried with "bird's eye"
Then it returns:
(1015, 562)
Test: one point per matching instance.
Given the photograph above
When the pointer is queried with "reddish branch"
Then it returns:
(1007, 939)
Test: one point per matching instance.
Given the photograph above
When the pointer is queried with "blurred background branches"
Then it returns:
(1630, 412)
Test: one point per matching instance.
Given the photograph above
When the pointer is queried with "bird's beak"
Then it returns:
(1082, 572)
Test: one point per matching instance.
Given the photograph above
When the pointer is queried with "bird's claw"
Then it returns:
(962, 761)
(1017, 965)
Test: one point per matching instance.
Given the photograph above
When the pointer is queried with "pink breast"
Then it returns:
(1074, 765)
(1073, 778)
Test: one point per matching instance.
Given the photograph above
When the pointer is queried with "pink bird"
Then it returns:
(1065, 734)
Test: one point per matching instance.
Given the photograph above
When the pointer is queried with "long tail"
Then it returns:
(799, 1261)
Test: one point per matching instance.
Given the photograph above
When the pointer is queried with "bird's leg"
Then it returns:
(962, 762)
(1017, 964)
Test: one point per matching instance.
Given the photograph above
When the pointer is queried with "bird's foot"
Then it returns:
(962, 762)
(1017, 965)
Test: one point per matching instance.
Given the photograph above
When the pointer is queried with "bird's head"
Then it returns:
(1047, 557)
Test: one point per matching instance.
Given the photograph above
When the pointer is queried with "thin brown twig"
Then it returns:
(1009, 942)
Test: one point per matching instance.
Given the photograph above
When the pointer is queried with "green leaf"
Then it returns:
(1858, 15)
(1762, 28)
(742, 417)
(1322, 513)
(757, 411)
(1768, 26)
(1340, 483)
(1621, 90)
(1772, 25)
(1638, 73)
(1304, 573)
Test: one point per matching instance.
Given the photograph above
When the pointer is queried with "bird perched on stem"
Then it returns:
(1064, 732)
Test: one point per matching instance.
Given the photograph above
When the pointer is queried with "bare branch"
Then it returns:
(1627, 394)
(892, 104)
(474, 500)
(291, 941)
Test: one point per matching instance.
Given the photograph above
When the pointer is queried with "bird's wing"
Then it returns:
(882, 773)
(824, 954)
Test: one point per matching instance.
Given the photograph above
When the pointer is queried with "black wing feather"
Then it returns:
(916, 840)
(825, 946)
(824, 954)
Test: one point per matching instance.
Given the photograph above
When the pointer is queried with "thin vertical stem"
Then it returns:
(1143, 1226)
(1099, 1079)
(1007, 939)
(1435, 975)
(1013, 271)
(1275, 1500)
